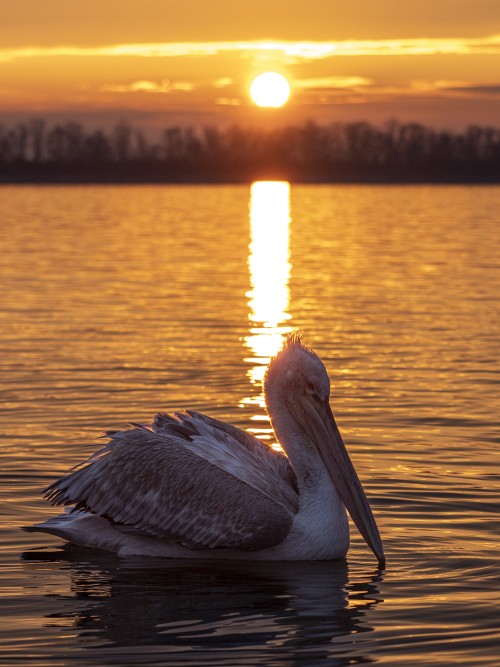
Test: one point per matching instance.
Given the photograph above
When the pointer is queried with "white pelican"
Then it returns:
(190, 486)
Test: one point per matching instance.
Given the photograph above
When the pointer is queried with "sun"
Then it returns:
(270, 89)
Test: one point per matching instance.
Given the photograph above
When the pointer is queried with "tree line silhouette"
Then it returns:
(351, 152)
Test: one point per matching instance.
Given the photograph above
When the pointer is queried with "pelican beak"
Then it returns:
(320, 426)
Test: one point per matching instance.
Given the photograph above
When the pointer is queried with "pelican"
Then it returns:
(189, 486)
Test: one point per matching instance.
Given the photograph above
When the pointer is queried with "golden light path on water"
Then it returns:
(269, 297)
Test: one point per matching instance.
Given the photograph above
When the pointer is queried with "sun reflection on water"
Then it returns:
(269, 298)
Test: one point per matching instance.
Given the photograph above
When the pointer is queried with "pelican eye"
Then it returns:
(311, 389)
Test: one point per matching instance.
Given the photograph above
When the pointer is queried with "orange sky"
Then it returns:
(158, 63)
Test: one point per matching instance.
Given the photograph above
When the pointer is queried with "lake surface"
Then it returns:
(117, 302)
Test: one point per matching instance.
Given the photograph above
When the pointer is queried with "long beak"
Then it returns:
(320, 426)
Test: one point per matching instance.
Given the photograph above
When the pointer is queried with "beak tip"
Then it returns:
(381, 561)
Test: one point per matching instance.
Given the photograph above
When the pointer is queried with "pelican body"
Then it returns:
(189, 486)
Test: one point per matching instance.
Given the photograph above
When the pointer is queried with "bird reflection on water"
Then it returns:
(248, 613)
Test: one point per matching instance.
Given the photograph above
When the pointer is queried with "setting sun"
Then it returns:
(270, 89)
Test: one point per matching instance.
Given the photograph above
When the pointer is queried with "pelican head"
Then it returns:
(296, 385)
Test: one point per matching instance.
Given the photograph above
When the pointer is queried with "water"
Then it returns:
(117, 302)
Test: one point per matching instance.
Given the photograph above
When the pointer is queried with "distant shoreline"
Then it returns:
(137, 182)
(68, 153)
(69, 179)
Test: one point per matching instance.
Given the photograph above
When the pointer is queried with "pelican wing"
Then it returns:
(186, 480)
(235, 451)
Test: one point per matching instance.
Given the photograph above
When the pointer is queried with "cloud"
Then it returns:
(476, 90)
(455, 86)
(164, 86)
(298, 50)
(359, 90)
(223, 82)
(228, 101)
(328, 82)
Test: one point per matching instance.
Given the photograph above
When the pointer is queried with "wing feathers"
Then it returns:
(184, 481)
(238, 452)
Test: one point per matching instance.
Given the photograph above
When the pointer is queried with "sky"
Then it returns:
(157, 63)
